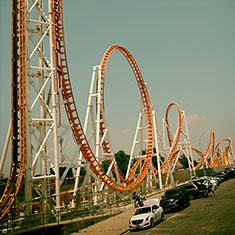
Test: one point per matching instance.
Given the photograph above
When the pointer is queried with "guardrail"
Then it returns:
(21, 224)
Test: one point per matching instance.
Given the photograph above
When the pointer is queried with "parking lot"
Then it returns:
(212, 215)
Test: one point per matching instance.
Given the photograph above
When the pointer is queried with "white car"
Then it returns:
(147, 215)
(213, 180)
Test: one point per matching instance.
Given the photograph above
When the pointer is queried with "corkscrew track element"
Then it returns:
(223, 159)
(173, 143)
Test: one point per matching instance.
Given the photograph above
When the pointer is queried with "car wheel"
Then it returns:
(163, 217)
(151, 223)
(181, 207)
(191, 197)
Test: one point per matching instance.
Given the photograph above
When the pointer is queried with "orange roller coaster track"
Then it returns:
(63, 78)
(223, 159)
(17, 109)
(213, 159)
(173, 143)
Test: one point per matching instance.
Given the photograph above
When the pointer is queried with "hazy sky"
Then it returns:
(185, 50)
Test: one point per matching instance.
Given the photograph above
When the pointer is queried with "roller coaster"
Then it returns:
(41, 85)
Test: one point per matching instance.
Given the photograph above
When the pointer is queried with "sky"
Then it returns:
(185, 50)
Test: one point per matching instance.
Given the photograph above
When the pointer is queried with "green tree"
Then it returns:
(184, 161)
(122, 160)
(105, 165)
(154, 158)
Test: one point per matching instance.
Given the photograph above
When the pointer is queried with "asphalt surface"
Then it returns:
(206, 216)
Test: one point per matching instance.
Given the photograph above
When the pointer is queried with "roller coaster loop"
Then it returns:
(63, 78)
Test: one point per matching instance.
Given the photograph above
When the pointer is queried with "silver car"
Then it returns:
(146, 216)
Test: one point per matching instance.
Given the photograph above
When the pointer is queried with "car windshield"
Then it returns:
(143, 210)
(171, 193)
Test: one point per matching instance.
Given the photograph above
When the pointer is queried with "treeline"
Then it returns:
(122, 160)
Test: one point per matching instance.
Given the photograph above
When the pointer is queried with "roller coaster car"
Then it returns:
(175, 199)
(146, 216)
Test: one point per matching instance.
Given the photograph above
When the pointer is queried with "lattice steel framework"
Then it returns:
(40, 103)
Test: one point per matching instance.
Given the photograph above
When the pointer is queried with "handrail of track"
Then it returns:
(62, 74)
(17, 107)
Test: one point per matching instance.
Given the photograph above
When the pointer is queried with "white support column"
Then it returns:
(28, 154)
(40, 101)
(107, 173)
(169, 171)
(97, 139)
(164, 135)
(157, 149)
(107, 137)
(88, 111)
(191, 163)
(232, 151)
(97, 143)
(54, 110)
(134, 142)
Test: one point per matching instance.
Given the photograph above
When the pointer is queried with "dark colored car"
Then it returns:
(175, 199)
(194, 190)
(221, 174)
(230, 172)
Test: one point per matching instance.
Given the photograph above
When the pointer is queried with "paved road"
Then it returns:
(206, 216)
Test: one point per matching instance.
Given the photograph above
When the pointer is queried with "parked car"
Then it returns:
(175, 198)
(219, 177)
(230, 172)
(147, 215)
(193, 190)
(205, 180)
(222, 175)
(214, 180)
(233, 169)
